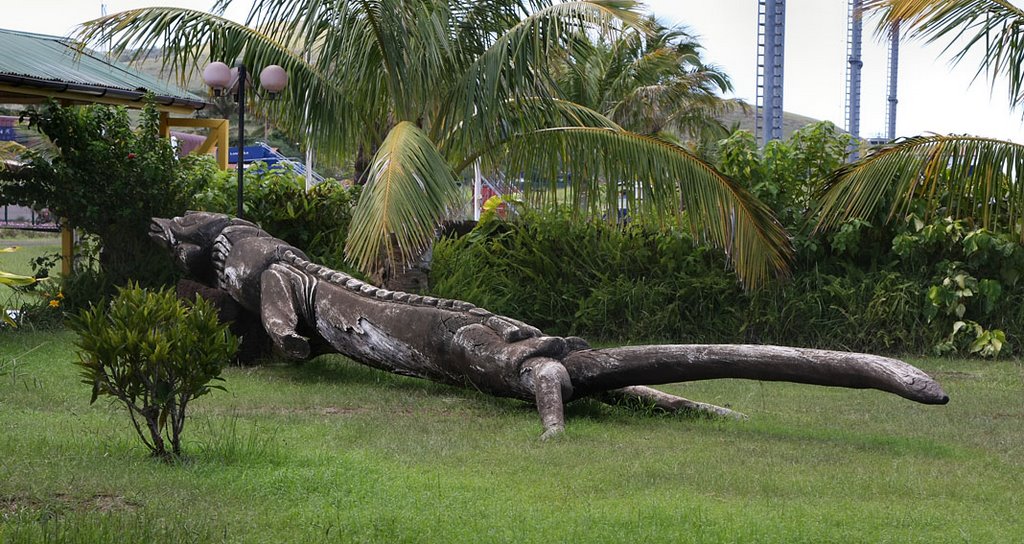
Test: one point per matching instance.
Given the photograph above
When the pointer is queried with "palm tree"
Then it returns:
(651, 80)
(424, 88)
(966, 177)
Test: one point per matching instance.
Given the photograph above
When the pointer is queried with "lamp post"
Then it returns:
(220, 78)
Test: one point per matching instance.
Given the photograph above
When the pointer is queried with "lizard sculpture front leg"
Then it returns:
(285, 291)
(551, 386)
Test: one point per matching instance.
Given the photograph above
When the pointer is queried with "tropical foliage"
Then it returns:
(960, 176)
(276, 199)
(913, 285)
(786, 175)
(650, 80)
(967, 177)
(108, 178)
(416, 91)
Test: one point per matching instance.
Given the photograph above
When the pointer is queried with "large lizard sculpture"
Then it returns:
(308, 309)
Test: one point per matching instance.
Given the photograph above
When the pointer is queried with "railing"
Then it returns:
(261, 152)
(21, 218)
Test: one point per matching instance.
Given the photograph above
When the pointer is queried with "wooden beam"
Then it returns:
(218, 136)
(31, 95)
(195, 122)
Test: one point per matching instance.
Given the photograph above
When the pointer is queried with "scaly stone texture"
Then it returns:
(306, 309)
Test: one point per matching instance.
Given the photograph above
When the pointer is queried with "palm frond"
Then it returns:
(189, 38)
(990, 30)
(661, 183)
(516, 64)
(15, 280)
(646, 80)
(682, 102)
(409, 191)
(964, 177)
(527, 115)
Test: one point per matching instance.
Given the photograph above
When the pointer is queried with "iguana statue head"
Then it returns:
(190, 238)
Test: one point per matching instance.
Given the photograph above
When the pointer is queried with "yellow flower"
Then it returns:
(60, 295)
(55, 303)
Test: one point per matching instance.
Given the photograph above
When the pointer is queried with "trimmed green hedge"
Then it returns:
(629, 284)
(276, 199)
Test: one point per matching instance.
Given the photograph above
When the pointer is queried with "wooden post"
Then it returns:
(222, 145)
(165, 125)
(67, 249)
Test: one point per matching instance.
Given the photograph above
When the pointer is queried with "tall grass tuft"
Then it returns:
(235, 441)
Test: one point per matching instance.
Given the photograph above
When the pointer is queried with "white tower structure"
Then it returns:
(771, 39)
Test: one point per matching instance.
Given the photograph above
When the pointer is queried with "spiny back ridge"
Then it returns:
(366, 290)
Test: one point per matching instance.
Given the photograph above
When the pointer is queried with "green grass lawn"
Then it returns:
(28, 249)
(333, 452)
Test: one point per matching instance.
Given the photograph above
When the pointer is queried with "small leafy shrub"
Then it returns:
(155, 354)
(974, 276)
(315, 221)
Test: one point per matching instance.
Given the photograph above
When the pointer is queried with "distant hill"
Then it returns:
(152, 65)
(791, 122)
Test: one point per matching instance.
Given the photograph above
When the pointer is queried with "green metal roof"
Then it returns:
(38, 61)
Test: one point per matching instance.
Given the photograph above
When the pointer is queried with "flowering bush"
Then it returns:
(108, 178)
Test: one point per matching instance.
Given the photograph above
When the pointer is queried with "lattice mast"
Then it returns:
(771, 38)
(894, 68)
(854, 39)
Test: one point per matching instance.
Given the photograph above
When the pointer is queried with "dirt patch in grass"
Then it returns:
(954, 374)
(11, 505)
(337, 411)
(105, 504)
(311, 410)
(102, 503)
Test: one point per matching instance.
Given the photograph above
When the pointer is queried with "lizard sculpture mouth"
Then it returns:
(160, 231)
(306, 309)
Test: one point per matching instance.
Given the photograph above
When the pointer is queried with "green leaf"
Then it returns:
(15, 280)
(964, 177)
(410, 190)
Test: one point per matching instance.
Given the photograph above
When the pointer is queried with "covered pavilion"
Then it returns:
(35, 68)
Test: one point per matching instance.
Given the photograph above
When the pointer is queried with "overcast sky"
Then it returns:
(934, 97)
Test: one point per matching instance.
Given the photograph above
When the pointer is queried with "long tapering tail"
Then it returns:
(596, 370)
